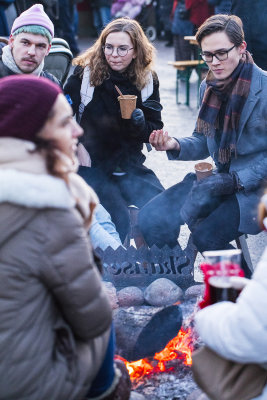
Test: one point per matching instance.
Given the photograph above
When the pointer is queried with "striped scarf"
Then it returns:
(236, 89)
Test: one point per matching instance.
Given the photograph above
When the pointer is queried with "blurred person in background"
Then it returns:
(221, 7)
(181, 26)
(101, 13)
(254, 17)
(164, 14)
(199, 10)
(65, 24)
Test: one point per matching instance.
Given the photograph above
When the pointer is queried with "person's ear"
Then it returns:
(48, 49)
(243, 47)
(11, 41)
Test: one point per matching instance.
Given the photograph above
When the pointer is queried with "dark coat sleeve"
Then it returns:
(152, 117)
(52, 78)
(72, 89)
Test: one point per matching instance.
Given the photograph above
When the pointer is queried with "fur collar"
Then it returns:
(24, 181)
(37, 191)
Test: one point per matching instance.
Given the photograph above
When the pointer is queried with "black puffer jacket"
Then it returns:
(110, 140)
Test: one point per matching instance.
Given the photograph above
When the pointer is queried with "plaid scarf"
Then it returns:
(235, 88)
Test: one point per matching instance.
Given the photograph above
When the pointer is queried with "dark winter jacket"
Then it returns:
(182, 27)
(221, 6)
(200, 10)
(5, 71)
(254, 18)
(110, 140)
(100, 3)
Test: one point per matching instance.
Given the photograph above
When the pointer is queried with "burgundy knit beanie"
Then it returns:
(25, 102)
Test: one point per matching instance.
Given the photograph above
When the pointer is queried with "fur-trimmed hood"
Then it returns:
(35, 191)
(25, 182)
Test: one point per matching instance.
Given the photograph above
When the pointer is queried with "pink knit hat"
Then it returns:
(35, 15)
(25, 103)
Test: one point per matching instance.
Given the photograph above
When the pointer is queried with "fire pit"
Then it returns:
(154, 340)
(166, 374)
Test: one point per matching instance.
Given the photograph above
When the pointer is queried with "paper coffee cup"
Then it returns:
(203, 170)
(127, 105)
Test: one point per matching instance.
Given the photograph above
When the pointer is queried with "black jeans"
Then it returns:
(106, 373)
(160, 220)
(116, 193)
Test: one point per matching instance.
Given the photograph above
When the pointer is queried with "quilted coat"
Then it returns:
(54, 313)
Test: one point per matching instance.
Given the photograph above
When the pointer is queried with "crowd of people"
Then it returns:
(67, 182)
(173, 19)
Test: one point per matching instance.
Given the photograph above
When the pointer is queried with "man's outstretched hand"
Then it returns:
(162, 141)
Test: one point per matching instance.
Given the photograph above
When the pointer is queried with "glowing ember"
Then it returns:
(180, 347)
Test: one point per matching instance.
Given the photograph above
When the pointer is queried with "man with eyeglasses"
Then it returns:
(232, 129)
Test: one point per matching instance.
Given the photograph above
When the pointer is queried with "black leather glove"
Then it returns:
(205, 194)
(219, 184)
(138, 119)
(153, 105)
(197, 204)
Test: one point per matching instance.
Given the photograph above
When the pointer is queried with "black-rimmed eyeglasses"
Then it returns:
(122, 51)
(221, 55)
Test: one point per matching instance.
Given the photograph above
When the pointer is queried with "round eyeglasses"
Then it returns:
(122, 51)
(221, 55)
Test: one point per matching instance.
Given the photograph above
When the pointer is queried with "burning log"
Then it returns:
(143, 331)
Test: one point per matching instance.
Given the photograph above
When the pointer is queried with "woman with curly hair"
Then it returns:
(121, 56)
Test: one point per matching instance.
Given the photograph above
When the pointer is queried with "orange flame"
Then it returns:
(180, 347)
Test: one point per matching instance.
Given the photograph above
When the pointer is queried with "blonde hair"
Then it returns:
(137, 71)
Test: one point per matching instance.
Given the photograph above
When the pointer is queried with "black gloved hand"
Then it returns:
(138, 119)
(205, 196)
(219, 184)
(196, 205)
(153, 105)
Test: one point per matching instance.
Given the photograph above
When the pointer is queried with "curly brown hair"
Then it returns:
(137, 71)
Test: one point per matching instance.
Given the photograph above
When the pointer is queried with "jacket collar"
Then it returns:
(25, 181)
(34, 190)
(253, 97)
(9, 62)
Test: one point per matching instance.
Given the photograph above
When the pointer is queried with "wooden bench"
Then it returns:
(183, 73)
